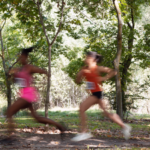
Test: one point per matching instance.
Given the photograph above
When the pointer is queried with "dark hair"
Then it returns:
(26, 51)
(98, 58)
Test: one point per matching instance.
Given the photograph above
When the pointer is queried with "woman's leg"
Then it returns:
(85, 105)
(113, 117)
(126, 129)
(13, 109)
(45, 120)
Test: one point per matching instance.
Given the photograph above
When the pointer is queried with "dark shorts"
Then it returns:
(98, 94)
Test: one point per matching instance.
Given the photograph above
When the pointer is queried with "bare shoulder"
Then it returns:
(30, 68)
(85, 69)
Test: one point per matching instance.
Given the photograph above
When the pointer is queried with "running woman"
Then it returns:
(28, 93)
(91, 73)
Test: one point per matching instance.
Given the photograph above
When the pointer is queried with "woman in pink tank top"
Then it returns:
(28, 93)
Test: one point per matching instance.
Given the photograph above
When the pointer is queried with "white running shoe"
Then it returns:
(81, 136)
(126, 131)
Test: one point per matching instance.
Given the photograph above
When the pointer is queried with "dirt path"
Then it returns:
(31, 141)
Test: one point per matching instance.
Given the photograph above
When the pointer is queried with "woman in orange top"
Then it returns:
(91, 73)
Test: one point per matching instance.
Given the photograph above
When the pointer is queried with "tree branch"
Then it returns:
(14, 64)
(3, 24)
(2, 55)
(60, 23)
(34, 2)
(117, 60)
(132, 17)
(36, 59)
(119, 37)
(84, 15)
(129, 25)
(7, 73)
(41, 1)
(42, 22)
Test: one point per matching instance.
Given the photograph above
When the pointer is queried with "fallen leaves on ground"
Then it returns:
(135, 134)
(99, 128)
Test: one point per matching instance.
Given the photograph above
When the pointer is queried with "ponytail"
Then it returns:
(26, 51)
(98, 58)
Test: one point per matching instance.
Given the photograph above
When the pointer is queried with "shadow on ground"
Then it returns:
(28, 141)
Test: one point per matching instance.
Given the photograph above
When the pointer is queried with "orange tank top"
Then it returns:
(91, 80)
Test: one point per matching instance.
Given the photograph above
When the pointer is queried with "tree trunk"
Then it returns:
(117, 60)
(127, 62)
(48, 82)
(8, 83)
(38, 3)
(126, 65)
(8, 92)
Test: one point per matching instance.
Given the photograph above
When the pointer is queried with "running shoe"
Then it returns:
(81, 136)
(126, 131)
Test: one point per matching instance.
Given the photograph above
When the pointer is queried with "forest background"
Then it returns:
(62, 32)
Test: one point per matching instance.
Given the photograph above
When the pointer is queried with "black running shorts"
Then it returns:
(98, 94)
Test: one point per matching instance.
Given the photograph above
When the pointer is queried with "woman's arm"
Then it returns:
(13, 71)
(79, 77)
(34, 69)
(110, 73)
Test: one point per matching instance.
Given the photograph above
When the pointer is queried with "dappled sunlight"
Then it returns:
(33, 138)
(65, 109)
(54, 143)
(60, 109)
(24, 118)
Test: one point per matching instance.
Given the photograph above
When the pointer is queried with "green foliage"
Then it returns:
(74, 67)
(75, 56)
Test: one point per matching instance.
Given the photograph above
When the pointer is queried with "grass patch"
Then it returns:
(140, 116)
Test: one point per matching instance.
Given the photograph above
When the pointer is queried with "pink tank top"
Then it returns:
(23, 78)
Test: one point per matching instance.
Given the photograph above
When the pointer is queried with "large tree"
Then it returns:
(9, 41)
(117, 60)
(7, 81)
(50, 43)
